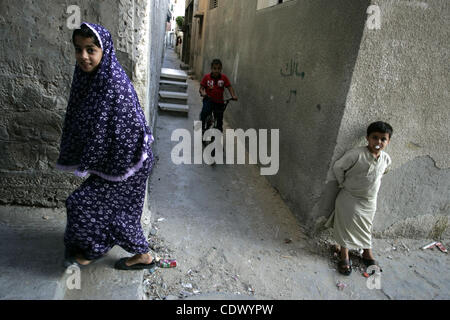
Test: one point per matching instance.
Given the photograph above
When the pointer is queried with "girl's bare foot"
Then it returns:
(139, 258)
(81, 260)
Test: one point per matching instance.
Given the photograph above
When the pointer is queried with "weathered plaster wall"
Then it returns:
(291, 66)
(414, 201)
(402, 77)
(198, 36)
(37, 63)
(158, 15)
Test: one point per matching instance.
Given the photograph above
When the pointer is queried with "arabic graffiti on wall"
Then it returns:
(292, 96)
(291, 69)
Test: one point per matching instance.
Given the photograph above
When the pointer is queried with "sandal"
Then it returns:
(345, 267)
(120, 265)
(371, 262)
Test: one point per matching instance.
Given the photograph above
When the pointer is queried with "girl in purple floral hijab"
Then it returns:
(105, 135)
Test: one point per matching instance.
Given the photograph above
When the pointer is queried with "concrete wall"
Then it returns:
(37, 63)
(402, 77)
(198, 36)
(314, 70)
(158, 15)
(191, 7)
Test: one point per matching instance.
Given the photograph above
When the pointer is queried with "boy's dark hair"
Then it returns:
(85, 32)
(216, 61)
(380, 126)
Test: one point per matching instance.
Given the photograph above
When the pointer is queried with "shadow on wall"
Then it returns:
(315, 75)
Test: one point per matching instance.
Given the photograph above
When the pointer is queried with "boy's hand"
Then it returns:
(234, 98)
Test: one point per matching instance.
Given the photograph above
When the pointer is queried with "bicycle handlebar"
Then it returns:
(225, 101)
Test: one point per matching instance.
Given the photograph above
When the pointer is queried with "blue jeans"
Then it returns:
(208, 107)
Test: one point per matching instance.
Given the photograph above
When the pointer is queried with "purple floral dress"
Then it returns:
(105, 134)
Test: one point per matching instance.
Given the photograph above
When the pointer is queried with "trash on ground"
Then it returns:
(341, 286)
(430, 245)
(195, 291)
(441, 247)
(187, 285)
(287, 240)
(45, 217)
(404, 246)
(389, 257)
(167, 263)
(185, 293)
(161, 219)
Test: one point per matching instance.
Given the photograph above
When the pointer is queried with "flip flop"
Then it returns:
(371, 262)
(120, 265)
(69, 258)
(341, 267)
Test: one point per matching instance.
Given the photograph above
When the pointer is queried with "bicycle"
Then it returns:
(211, 122)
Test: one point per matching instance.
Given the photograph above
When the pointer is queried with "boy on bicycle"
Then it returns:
(211, 89)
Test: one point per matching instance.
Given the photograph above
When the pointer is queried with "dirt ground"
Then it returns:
(295, 271)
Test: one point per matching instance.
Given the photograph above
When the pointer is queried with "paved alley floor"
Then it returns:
(228, 229)
(31, 261)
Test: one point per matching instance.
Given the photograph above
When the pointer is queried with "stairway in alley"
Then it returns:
(173, 90)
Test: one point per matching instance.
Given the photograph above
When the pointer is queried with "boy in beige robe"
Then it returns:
(358, 174)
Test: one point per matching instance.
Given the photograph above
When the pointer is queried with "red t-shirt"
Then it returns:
(215, 87)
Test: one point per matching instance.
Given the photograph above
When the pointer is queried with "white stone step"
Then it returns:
(173, 107)
(174, 83)
(175, 86)
(174, 74)
(173, 95)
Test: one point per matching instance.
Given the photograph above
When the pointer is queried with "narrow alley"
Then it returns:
(87, 87)
(234, 238)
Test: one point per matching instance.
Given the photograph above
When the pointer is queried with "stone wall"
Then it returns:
(37, 63)
(158, 16)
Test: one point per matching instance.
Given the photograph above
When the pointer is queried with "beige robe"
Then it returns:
(358, 174)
